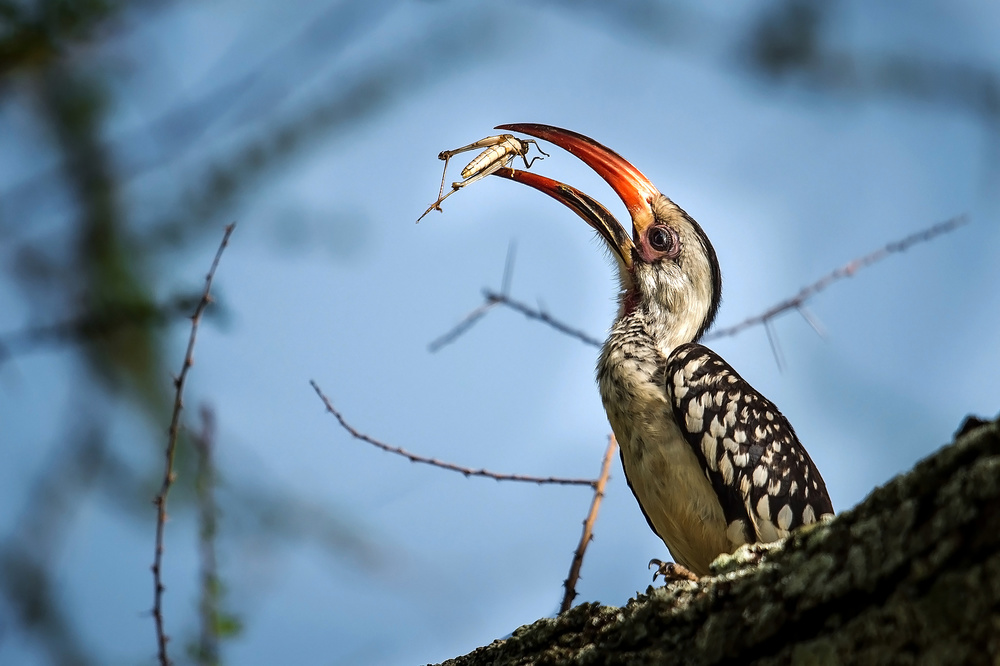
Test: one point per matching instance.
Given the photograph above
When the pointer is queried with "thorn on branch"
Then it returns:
(772, 340)
(508, 269)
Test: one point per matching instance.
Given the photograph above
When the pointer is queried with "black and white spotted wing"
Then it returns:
(765, 480)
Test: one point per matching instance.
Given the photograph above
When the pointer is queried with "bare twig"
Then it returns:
(541, 315)
(847, 270)
(588, 527)
(772, 339)
(477, 314)
(467, 471)
(493, 299)
(796, 302)
(461, 327)
(160, 501)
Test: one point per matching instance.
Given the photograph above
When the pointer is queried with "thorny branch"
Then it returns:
(168, 474)
(588, 526)
(467, 471)
(796, 302)
(474, 316)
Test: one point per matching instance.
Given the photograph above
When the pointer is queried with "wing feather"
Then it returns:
(764, 478)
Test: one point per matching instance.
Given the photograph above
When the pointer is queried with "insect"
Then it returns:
(500, 152)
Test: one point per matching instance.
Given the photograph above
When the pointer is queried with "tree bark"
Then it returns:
(909, 576)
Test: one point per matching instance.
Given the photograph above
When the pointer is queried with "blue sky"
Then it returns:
(327, 278)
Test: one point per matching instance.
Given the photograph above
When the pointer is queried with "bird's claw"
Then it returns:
(671, 571)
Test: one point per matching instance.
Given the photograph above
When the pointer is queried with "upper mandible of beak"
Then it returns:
(633, 188)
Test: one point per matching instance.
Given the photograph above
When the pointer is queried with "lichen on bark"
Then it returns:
(909, 576)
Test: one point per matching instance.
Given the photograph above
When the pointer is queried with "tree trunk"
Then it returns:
(909, 576)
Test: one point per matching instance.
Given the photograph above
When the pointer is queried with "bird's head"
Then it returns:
(668, 268)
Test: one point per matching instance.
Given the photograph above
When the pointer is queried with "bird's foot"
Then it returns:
(671, 571)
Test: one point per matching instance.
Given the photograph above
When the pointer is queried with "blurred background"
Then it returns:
(800, 135)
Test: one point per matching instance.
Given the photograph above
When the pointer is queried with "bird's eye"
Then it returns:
(662, 239)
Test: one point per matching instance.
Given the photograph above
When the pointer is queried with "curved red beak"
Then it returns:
(633, 188)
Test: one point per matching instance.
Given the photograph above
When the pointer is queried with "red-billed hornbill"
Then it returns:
(712, 462)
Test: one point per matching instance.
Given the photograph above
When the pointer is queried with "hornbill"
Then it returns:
(712, 462)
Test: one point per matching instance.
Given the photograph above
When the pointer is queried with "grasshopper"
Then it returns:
(500, 152)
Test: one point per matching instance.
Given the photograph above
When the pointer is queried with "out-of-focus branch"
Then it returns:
(250, 96)
(793, 42)
(354, 97)
(29, 586)
(467, 471)
(795, 302)
(160, 501)
(93, 324)
(215, 624)
(469, 320)
(36, 34)
(588, 526)
(492, 299)
(207, 649)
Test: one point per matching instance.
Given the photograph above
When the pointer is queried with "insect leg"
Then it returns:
(499, 153)
(482, 143)
(455, 187)
(444, 174)
(483, 172)
(437, 204)
(524, 155)
(446, 155)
